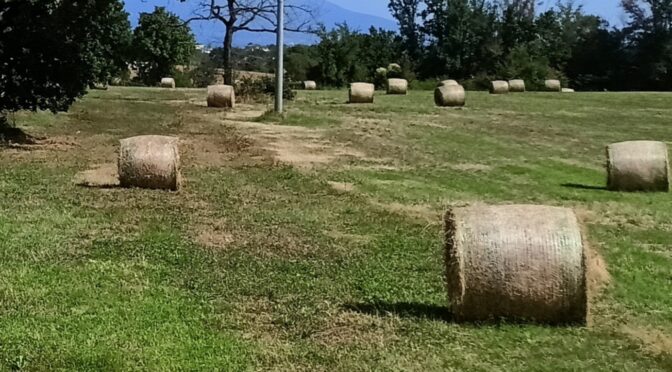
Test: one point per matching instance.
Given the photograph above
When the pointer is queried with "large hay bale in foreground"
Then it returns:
(151, 162)
(553, 85)
(309, 85)
(449, 82)
(223, 96)
(517, 86)
(638, 166)
(519, 262)
(361, 93)
(397, 86)
(168, 83)
(499, 87)
(449, 96)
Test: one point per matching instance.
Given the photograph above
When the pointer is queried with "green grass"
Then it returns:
(259, 263)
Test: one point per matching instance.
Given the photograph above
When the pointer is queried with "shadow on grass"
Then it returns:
(10, 135)
(104, 186)
(584, 187)
(404, 310)
(443, 314)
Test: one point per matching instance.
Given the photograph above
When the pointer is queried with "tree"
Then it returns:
(160, 42)
(111, 49)
(649, 38)
(53, 49)
(407, 12)
(462, 37)
(251, 16)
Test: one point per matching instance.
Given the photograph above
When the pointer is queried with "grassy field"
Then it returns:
(314, 241)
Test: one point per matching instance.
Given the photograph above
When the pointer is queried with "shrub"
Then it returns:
(380, 77)
(251, 89)
(394, 71)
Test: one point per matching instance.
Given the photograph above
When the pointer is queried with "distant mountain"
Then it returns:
(211, 33)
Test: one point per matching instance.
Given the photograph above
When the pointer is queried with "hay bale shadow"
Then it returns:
(403, 310)
(584, 187)
(10, 135)
(410, 310)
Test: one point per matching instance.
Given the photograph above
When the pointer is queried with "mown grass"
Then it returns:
(263, 265)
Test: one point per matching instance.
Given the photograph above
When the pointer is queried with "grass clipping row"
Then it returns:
(520, 262)
(150, 162)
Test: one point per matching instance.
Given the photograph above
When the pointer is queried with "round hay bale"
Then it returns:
(361, 93)
(309, 85)
(397, 86)
(168, 83)
(519, 262)
(499, 87)
(517, 86)
(553, 85)
(221, 96)
(638, 166)
(567, 90)
(151, 162)
(449, 96)
(448, 82)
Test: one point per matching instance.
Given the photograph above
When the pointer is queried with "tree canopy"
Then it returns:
(160, 43)
(53, 49)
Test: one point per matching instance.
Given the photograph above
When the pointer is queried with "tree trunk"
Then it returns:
(228, 63)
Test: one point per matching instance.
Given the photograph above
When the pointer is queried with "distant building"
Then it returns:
(203, 49)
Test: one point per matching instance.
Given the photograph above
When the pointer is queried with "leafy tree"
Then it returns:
(54, 49)
(111, 49)
(520, 64)
(649, 43)
(462, 37)
(160, 43)
(407, 13)
(301, 62)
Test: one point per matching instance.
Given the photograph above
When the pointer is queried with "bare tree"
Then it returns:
(251, 16)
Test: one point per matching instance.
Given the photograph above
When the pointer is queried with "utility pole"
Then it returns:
(280, 59)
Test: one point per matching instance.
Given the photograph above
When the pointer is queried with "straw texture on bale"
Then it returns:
(449, 96)
(151, 162)
(397, 86)
(553, 85)
(168, 83)
(309, 85)
(361, 92)
(638, 166)
(223, 96)
(449, 82)
(567, 90)
(519, 262)
(517, 86)
(499, 87)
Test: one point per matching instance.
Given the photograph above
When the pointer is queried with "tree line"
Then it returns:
(480, 40)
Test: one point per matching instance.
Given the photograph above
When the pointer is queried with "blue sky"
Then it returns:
(608, 9)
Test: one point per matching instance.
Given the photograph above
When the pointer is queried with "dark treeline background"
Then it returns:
(476, 41)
